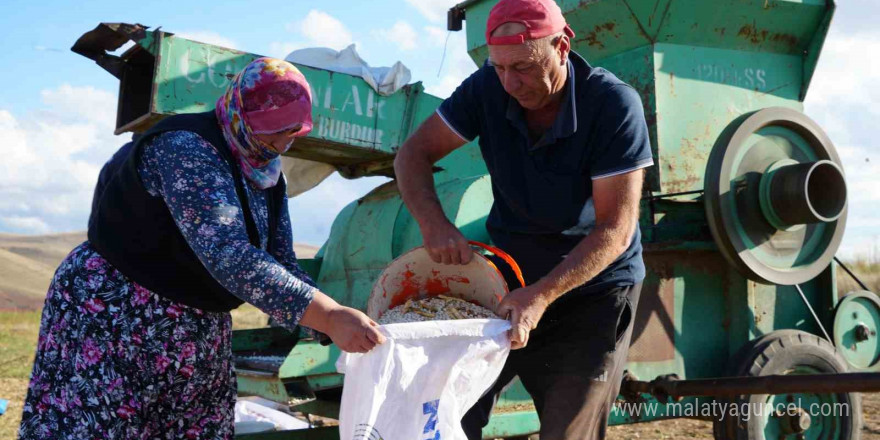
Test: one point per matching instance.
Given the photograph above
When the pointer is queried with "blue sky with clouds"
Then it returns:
(57, 109)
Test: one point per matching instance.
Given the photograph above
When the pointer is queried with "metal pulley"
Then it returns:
(775, 196)
(856, 322)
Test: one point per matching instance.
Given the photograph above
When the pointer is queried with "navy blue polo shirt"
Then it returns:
(543, 190)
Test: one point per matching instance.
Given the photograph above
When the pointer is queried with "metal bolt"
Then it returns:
(795, 421)
(862, 332)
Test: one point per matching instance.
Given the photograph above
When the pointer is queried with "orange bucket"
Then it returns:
(414, 275)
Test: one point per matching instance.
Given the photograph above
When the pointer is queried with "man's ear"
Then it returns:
(563, 47)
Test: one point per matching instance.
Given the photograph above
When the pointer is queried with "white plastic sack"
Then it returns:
(303, 175)
(422, 380)
(249, 412)
(384, 80)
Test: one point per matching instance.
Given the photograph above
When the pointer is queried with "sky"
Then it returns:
(57, 108)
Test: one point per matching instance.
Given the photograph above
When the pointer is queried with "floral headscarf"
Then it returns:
(267, 96)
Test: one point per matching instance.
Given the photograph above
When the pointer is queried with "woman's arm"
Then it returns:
(198, 188)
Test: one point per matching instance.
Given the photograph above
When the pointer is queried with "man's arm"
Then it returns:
(616, 200)
(413, 168)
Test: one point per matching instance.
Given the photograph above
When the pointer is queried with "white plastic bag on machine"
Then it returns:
(384, 80)
(422, 380)
(303, 175)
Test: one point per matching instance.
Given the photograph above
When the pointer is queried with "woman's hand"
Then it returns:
(352, 331)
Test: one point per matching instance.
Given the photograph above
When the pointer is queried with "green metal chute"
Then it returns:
(356, 129)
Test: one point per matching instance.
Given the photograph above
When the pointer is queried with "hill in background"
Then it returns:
(28, 262)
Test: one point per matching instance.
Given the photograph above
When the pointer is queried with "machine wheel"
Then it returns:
(789, 416)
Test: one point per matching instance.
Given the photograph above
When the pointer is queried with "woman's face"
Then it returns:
(281, 141)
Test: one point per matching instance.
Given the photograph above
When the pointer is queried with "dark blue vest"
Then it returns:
(134, 231)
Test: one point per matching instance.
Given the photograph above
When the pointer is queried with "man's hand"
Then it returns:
(432, 141)
(446, 244)
(352, 331)
(524, 307)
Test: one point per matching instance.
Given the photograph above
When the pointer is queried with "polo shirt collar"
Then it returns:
(566, 120)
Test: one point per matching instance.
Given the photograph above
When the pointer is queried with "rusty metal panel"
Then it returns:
(309, 358)
(700, 90)
(636, 68)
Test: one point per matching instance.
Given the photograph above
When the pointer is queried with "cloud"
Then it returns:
(457, 64)
(209, 37)
(865, 222)
(862, 168)
(317, 29)
(402, 34)
(842, 100)
(436, 35)
(84, 103)
(846, 73)
(279, 49)
(322, 29)
(312, 213)
(51, 159)
(24, 225)
(433, 10)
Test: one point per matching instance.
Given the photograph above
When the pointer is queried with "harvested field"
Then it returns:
(18, 336)
(19, 327)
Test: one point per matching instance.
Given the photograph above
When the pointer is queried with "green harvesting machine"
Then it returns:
(741, 215)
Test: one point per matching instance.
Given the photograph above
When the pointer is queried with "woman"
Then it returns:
(188, 221)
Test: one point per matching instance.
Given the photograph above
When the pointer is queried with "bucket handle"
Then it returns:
(504, 256)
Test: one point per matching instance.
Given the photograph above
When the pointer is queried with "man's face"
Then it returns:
(531, 75)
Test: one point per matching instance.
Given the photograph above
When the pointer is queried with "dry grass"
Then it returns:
(48, 249)
(35, 259)
(248, 317)
(867, 271)
(18, 335)
(18, 339)
(27, 263)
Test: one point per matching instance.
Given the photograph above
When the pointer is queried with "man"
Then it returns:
(566, 145)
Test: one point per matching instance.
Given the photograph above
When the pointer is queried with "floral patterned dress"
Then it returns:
(117, 361)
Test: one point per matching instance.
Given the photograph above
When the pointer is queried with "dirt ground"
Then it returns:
(18, 334)
(14, 390)
(698, 429)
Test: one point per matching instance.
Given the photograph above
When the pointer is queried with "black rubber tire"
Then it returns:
(779, 352)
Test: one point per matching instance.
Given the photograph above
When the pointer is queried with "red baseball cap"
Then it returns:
(540, 17)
